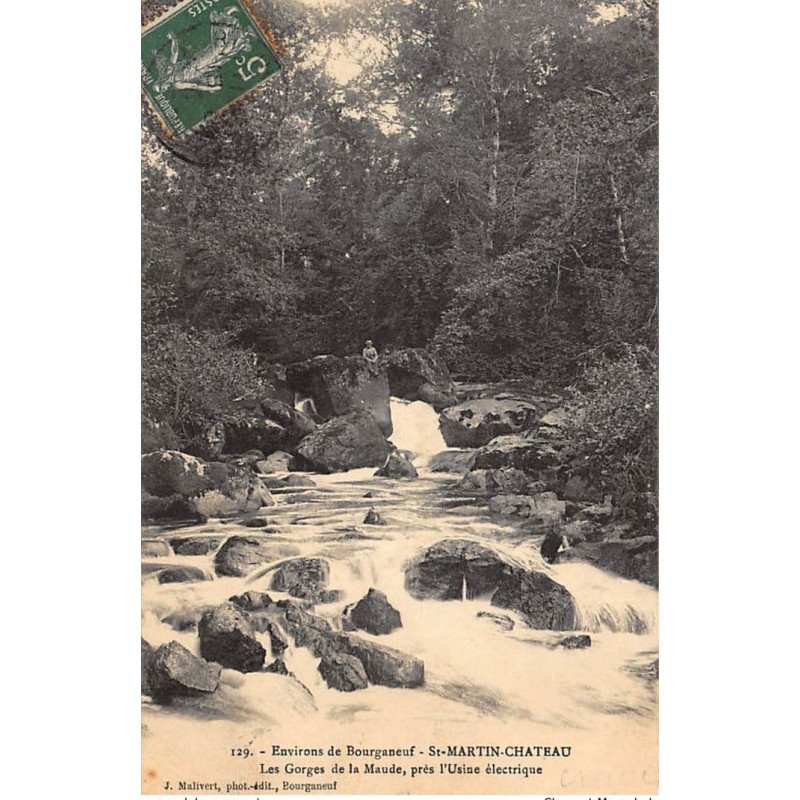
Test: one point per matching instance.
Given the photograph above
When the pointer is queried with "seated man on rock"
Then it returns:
(370, 353)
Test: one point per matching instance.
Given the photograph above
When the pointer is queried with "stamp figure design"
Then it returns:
(200, 58)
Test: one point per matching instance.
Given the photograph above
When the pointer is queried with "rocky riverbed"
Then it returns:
(361, 598)
(348, 582)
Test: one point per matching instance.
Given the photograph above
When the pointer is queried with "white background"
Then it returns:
(729, 400)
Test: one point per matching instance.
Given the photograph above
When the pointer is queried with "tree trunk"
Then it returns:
(494, 159)
(623, 247)
(283, 231)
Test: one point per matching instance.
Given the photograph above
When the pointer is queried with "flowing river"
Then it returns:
(479, 677)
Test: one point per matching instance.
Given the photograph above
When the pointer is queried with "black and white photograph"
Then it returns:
(400, 397)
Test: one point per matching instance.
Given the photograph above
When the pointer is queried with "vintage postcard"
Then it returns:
(399, 397)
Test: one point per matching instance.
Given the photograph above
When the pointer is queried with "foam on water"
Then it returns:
(474, 670)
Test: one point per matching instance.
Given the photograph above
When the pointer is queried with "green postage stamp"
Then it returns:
(200, 57)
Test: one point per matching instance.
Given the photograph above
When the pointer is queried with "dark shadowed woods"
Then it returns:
(474, 177)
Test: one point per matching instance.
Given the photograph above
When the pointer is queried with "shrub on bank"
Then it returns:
(613, 428)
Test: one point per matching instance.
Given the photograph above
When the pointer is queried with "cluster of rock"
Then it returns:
(453, 569)
(177, 485)
(347, 420)
(251, 632)
(523, 463)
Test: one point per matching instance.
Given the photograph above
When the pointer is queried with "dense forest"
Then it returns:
(478, 177)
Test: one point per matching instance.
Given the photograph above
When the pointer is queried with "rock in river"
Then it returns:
(296, 425)
(457, 461)
(175, 672)
(345, 443)
(183, 574)
(545, 604)
(170, 472)
(343, 672)
(195, 545)
(506, 479)
(176, 485)
(227, 637)
(383, 665)
(252, 601)
(476, 422)
(339, 386)
(374, 518)
(252, 432)
(374, 614)
(630, 558)
(544, 507)
(417, 374)
(448, 569)
(576, 642)
(240, 555)
(301, 577)
(397, 466)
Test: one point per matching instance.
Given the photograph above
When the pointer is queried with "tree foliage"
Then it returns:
(486, 184)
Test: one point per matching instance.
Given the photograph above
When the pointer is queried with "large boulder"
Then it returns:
(170, 472)
(236, 489)
(227, 637)
(240, 555)
(302, 577)
(522, 452)
(183, 574)
(158, 436)
(343, 672)
(252, 432)
(476, 422)
(345, 443)
(374, 614)
(629, 558)
(177, 485)
(545, 604)
(549, 463)
(457, 461)
(195, 545)
(554, 423)
(542, 508)
(339, 386)
(488, 481)
(452, 568)
(546, 455)
(175, 672)
(397, 466)
(296, 425)
(383, 665)
(417, 374)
